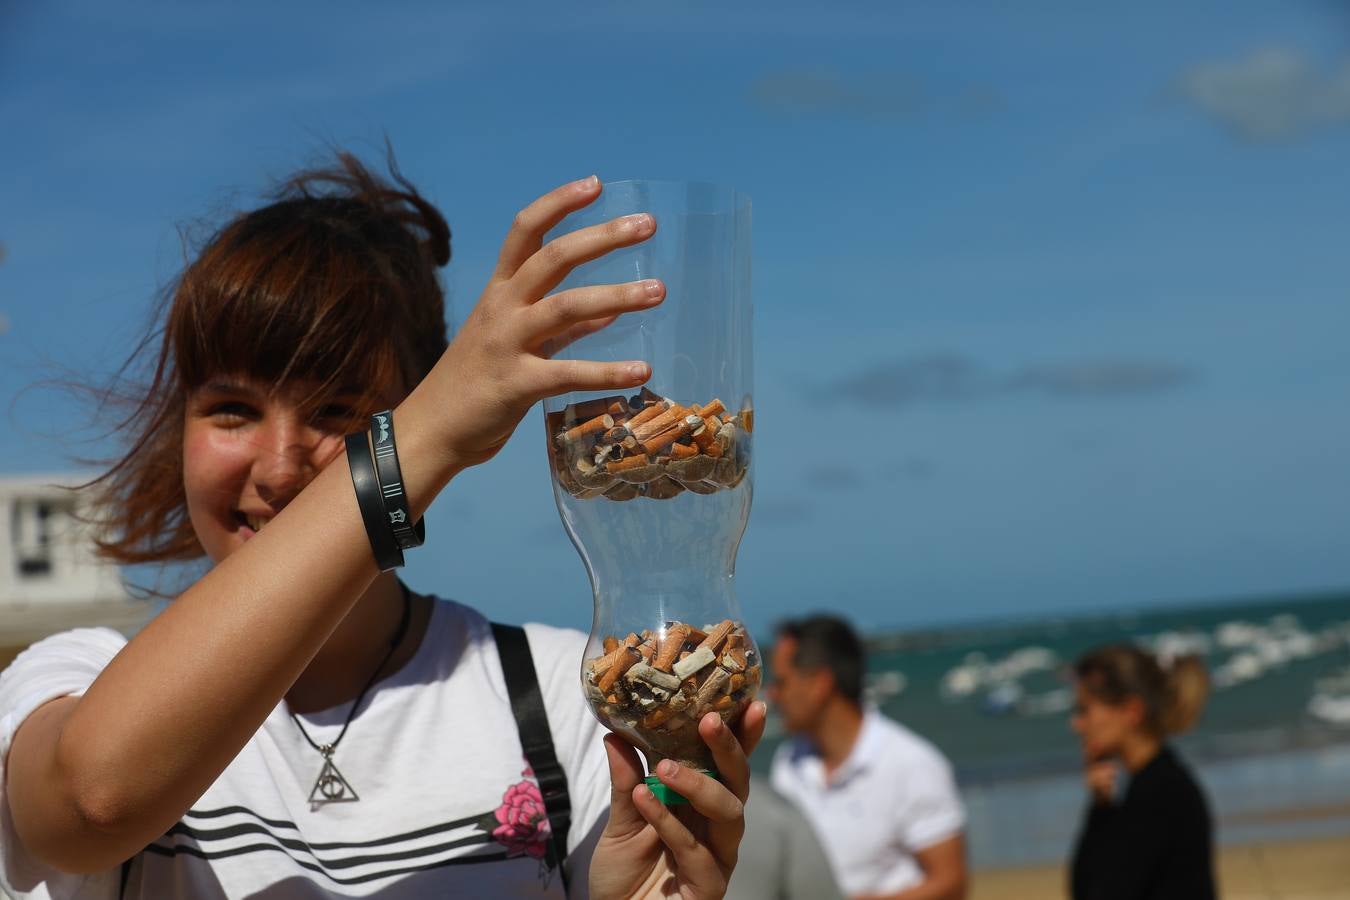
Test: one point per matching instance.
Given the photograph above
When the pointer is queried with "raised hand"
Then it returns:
(500, 364)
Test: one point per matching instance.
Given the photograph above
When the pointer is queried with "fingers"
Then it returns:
(731, 751)
(695, 862)
(625, 773)
(557, 313)
(751, 727)
(534, 221)
(544, 270)
(550, 377)
(709, 797)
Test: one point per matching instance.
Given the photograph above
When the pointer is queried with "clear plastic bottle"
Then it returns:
(654, 488)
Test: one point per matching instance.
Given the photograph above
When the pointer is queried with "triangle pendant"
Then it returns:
(331, 787)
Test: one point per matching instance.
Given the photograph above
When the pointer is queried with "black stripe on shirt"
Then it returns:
(346, 862)
(187, 850)
(209, 833)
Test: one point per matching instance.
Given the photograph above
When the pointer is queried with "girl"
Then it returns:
(1156, 841)
(299, 723)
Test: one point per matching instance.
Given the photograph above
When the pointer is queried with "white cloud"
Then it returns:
(1274, 94)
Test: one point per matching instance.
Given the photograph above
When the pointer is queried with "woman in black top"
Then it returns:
(1156, 841)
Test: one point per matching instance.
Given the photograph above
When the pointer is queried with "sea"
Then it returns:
(1272, 748)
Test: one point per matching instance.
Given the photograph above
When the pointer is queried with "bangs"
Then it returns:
(302, 304)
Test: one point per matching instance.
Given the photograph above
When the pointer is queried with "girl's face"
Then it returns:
(1104, 727)
(248, 450)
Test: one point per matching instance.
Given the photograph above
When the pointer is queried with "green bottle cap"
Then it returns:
(668, 795)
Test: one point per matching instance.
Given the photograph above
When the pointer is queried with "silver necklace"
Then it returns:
(331, 786)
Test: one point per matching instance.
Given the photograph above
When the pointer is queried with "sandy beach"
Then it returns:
(1296, 870)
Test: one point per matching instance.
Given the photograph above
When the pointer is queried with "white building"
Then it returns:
(50, 579)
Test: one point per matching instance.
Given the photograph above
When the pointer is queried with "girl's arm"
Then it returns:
(92, 780)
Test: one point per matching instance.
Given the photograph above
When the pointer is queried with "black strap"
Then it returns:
(522, 684)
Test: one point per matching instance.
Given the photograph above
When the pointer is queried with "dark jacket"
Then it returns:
(1155, 844)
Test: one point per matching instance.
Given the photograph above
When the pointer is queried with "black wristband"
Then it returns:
(398, 514)
(367, 486)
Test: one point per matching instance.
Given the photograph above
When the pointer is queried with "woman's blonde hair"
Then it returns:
(1173, 695)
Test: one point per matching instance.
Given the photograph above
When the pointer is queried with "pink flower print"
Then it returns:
(524, 828)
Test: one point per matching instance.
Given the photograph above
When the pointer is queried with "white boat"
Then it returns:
(1333, 709)
(882, 686)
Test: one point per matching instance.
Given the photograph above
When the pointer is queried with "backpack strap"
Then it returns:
(527, 703)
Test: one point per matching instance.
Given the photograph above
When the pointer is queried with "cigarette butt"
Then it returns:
(611, 643)
(645, 397)
(733, 661)
(648, 649)
(666, 436)
(716, 637)
(714, 408)
(735, 639)
(671, 645)
(602, 664)
(628, 462)
(752, 675)
(656, 717)
(700, 658)
(624, 659)
(600, 423)
(696, 635)
(736, 683)
(683, 451)
(648, 414)
(589, 409)
(606, 453)
(713, 687)
(706, 438)
(747, 417)
(723, 703)
(620, 435)
(656, 423)
(648, 673)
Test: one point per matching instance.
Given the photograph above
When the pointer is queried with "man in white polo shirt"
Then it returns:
(882, 799)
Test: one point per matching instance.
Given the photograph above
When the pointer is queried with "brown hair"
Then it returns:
(335, 280)
(1173, 696)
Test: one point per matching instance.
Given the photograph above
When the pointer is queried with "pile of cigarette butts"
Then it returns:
(657, 685)
(648, 446)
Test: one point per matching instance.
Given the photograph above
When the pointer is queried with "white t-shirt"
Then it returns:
(892, 797)
(447, 804)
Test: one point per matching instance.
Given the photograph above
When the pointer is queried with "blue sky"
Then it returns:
(1080, 276)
